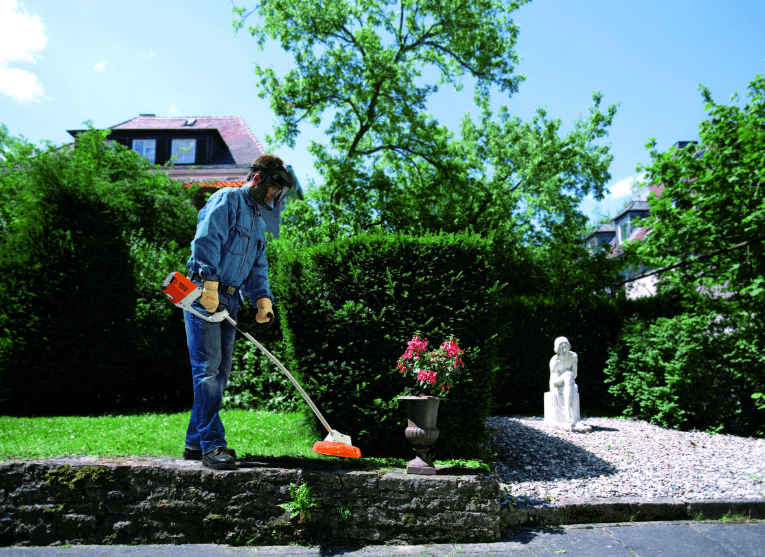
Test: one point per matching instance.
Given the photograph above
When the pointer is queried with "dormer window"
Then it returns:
(190, 122)
(624, 229)
(146, 148)
(184, 151)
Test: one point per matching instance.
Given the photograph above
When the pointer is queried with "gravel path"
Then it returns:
(539, 464)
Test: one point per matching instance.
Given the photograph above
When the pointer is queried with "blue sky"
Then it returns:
(62, 63)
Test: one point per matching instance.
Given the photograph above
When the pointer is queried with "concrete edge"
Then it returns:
(630, 510)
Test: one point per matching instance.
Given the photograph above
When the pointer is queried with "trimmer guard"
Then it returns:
(331, 448)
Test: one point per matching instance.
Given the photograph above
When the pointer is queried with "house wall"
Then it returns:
(642, 287)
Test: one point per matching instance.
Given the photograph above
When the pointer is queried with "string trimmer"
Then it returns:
(182, 293)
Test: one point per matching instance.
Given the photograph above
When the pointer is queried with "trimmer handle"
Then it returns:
(253, 330)
(182, 293)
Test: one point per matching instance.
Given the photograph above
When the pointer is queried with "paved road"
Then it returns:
(650, 539)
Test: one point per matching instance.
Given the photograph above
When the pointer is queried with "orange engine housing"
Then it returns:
(177, 287)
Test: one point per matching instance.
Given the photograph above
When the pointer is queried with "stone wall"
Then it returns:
(139, 501)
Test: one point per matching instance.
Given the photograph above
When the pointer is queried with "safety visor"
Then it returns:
(279, 181)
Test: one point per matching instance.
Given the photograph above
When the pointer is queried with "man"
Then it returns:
(228, 260)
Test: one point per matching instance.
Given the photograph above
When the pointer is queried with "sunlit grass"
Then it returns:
(150, 434)
(264, 435)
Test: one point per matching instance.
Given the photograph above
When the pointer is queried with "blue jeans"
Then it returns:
(211, 346)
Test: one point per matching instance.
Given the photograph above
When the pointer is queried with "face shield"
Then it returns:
(274, 186)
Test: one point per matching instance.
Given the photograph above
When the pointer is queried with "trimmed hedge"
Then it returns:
(350, 306)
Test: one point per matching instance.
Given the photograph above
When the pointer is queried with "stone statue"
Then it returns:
(562, 402)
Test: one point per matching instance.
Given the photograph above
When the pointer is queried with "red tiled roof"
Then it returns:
(243, 145)
(216, 184)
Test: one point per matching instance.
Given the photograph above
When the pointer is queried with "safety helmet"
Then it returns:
(277, 178)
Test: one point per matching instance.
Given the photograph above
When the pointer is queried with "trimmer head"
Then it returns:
(337, 444)
(331, 448)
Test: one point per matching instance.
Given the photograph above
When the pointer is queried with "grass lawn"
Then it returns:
(264, 435)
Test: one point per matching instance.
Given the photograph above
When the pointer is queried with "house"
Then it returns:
(214, 150)
(624, 228)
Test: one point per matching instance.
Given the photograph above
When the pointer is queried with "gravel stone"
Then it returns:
(540, 465)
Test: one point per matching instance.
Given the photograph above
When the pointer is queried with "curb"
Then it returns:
(628, 510)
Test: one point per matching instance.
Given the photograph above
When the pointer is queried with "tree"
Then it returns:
(710, 218)
(708, 224)
(388, 162)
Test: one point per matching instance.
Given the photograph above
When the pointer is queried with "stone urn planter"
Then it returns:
(421, 431)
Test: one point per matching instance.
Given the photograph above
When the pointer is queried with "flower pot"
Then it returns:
(421, 431)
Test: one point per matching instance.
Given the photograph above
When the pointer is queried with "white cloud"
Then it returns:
(145, 53)
(623, 187)
(21, 85)
(100, 66)
(22, 37)
(174, 111)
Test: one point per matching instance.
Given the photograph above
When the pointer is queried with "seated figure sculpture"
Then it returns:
(562, 402)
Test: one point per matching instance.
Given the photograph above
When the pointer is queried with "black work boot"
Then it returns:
(196, 454)
(219, 459)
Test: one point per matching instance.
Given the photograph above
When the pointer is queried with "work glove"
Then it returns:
(209, 297)
(264, 319)
(265, 310)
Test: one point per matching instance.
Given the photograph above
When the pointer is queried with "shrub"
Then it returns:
(691, 371)
(349, 308)
(256, 383)
(88, 233)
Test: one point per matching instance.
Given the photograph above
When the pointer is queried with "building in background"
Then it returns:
(624, 228)
(212, 150)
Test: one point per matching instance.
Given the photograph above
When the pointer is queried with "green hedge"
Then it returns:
(88, 233)
(350, 306)
(692, 371)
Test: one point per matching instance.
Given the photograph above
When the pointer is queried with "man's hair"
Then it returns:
(267, 162)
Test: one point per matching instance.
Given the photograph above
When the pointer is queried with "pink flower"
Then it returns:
(416, 346)
(429, 376)
(452, 348)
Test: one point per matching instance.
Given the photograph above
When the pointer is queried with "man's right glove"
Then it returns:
(209, 297)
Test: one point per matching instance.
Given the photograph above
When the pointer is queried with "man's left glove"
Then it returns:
(265, 317)
(264, 309)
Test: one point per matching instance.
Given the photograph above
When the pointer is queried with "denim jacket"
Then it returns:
(230, 243)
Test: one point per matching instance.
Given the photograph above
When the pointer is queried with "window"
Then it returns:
(146, 148)
(185, 150)
(625, 229)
